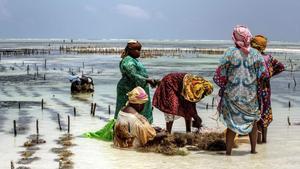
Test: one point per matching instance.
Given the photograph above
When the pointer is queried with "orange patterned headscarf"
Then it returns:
(195, 88)
(137, 96)
(259, 42)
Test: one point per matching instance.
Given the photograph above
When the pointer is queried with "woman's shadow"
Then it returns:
(222, 153)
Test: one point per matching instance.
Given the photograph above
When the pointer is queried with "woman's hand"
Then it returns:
(157, 82)
(153, 82)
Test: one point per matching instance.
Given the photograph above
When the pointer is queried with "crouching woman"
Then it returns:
(132, 129)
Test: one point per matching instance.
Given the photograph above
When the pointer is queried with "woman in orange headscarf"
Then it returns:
(177, 95)
(274, 67)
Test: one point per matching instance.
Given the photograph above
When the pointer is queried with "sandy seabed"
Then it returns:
(16, 86)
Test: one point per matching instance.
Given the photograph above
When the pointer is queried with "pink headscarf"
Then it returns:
(137, 96)
(241, 36)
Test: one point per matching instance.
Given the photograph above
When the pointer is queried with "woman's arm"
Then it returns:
(221, 73)
(130, 68)
(276, 67)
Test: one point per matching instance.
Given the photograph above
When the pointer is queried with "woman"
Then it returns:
(241, 68)
(131, 128)
(177, 95)
(133, 74)
(273, 67)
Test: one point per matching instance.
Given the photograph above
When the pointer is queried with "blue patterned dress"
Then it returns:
(239, 105)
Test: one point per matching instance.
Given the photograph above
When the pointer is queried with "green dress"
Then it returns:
(133, 74)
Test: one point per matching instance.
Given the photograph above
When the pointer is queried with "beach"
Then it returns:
(26, 80)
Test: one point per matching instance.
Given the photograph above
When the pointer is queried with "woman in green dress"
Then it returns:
(133, 74)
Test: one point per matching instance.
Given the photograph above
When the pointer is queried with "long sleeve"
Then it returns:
(220, 76)
(135, 71)
(275, 67)
(261, 70)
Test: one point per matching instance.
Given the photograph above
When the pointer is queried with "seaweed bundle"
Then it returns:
(180, 143)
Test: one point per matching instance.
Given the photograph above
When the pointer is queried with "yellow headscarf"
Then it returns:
(195, 88)
(137, 96)
(259, 42)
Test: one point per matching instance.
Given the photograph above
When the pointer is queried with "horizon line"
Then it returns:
(124, 40)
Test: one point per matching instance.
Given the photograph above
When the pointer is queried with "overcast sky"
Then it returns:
(148, 19)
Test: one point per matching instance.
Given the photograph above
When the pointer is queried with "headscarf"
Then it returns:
(259, 42)
(131, 45)
(137, 96)
(195, 88)
(241, 36)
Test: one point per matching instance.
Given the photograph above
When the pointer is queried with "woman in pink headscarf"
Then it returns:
(238, 76)
(132, 129)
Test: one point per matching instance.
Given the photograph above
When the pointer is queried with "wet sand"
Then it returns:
(17, 87)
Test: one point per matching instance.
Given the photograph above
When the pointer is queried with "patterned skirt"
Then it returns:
(168, 99)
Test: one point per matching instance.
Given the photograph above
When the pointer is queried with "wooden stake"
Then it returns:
(109, 109)
(58, 118)
(42, 104)
(74, 111)
(206, 105)
(15, 128)
(12, 165)
(288, 120)
(37, 127)
(68, 124)
(213, 102)
(27, 69)
(45, 64)
(92, 108)
(289, 104)
(19, 105)
(44, 76)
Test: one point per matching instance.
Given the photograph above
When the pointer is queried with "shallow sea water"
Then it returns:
(281, 151)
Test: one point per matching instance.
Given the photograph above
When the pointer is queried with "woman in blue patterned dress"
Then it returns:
(242, 67)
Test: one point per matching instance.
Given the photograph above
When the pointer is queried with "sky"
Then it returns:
(279, 20)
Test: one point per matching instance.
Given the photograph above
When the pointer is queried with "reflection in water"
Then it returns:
(85, 97)
(283, 146)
